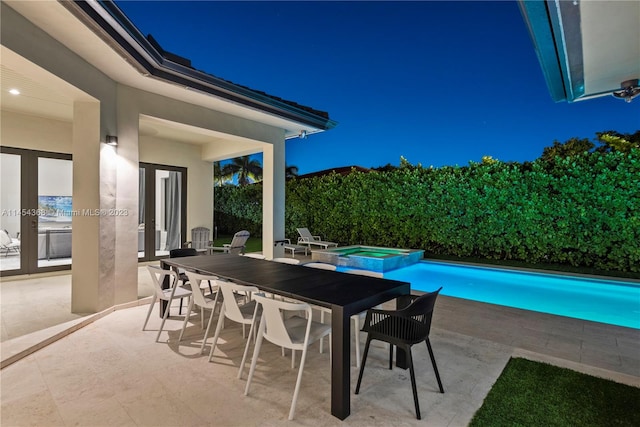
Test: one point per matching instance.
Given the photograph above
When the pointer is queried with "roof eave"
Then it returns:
(110, 23)
(554, 27)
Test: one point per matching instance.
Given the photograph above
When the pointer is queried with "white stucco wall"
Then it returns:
(199, 176)
(105, 177)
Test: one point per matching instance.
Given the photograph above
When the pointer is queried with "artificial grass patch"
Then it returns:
(538, 394)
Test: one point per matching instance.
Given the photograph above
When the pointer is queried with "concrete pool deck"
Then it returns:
(112, 373)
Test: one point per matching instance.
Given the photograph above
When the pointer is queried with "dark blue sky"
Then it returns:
(440, 83)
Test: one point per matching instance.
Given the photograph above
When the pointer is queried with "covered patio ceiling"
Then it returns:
(587, 48)
(44, 94)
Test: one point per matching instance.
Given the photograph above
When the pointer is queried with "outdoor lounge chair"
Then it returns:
(8, 244)
(199, 239)
(306, 238)
(236, 246)
(288, 246)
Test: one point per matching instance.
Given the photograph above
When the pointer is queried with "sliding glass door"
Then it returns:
(35, 195)
(11, 206)
(162, 210)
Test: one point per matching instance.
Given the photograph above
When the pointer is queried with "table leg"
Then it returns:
(401, 355)
(340, 363)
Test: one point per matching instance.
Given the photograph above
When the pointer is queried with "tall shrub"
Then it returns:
(582, 210)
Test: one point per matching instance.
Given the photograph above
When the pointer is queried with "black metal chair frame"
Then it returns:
(403, 328)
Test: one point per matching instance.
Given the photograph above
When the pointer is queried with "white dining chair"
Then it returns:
(292, 332)
(323, 310)
(199, 299)
(254, 255)
(358, 319)
(320, 266)
(232, 310)
(286, 260)
(172, 292)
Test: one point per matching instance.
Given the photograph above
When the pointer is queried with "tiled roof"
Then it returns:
(187, 63)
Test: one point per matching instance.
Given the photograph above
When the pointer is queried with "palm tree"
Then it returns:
(221, 174)
(248, 170)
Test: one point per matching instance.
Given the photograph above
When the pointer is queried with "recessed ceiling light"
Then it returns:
(14, 91)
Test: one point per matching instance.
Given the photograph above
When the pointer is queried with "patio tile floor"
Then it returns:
(110, 372)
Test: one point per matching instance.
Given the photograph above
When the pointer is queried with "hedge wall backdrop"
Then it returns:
(582, 210)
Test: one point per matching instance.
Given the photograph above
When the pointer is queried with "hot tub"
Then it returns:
(368, 257)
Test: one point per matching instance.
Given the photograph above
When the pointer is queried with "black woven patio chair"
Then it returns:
(402, 328)
(182, 252)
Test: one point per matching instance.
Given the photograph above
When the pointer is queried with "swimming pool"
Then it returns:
(607, 301)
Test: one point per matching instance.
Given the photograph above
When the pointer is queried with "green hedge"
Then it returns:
(582, 210)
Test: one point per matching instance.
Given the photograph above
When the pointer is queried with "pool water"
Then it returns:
(607, 301)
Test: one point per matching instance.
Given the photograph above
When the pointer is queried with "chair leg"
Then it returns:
(364, 361)
(298, 382)
(252, 332)
(413, 381)
(164, 319)
(206, 333)
(153, 303)
(217, 334)
(356, 321)
(390, 356)
(321, 321)
(186, 318)
(435, 367)
(256, 353)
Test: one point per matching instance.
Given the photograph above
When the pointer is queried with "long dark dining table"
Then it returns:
(345, 294)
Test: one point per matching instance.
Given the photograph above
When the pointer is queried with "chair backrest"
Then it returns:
(229, 292)
(286, 260)
(182, 252)
(200, 237)
(158, 275)
(368, 273)
(421, 309)
(408, 325)
(305, 234)
(239, 242)
(320, 266)
(196, 280)
(272, 324)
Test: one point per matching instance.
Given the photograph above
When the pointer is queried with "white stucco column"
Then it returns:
(92, 278)
(273, 198)
(127, 200)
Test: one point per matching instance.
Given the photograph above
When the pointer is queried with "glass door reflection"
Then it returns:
(55, 184)
(10, 220)
(162, 207)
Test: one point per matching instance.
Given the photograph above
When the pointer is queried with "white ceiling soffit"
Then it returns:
(41, 93)
(586, 48)
(59, 23)
(610, 44)
(180, 132)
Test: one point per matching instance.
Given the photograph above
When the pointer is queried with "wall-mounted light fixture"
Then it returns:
(303, 135)
(112, 140)
(629, 89)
